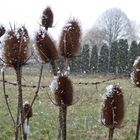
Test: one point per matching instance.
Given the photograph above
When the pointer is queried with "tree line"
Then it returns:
(116, 59)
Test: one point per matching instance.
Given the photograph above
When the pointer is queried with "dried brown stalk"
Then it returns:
(6, 99)
(15, 55)
(63, 98)
(138, 125)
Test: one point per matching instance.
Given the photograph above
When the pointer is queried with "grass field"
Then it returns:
(83, 116)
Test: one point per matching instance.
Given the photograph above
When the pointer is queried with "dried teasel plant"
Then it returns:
(15, 54)
(135, 75)
(15, 51)
(112, 112)
(62, 88)
(47, 18)
(2, 30)
(70, 39)
(46, 48)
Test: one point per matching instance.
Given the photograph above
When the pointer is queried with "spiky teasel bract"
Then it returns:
(64, 91)
(16, 47)
(27, 110)
(135, 75)
(45, 47)
(47, 18)
(2, 30)
(112, 112)
(70, 39)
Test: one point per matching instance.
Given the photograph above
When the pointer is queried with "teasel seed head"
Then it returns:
(15, 51)
(112, 112)
(135, 75)
(2, 30)
(70, 39)
(27, 110)
(45, 47)
(47, 18)
(64, 91)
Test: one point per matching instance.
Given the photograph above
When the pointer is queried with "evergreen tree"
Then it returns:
(85, 59)
(113, 57)
(75, 65)
(94, 59)
(138, 53)
(60, 64)
(123, 57)
(103, 59)
(132, 55)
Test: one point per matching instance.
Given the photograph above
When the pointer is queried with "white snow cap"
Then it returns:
(26, 102)
(54, 85)
(109, 90)
(136, 61)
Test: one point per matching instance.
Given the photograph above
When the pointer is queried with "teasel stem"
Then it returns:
(35, 96)
(138, 125)
(60, 124)
(18, 70)
(6, 99)
(62, 129)
(66, 64)
(18, 75)
(64, 121)
(53, 67)
(111, 132)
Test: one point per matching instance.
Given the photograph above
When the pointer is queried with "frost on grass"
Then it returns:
(54, 85)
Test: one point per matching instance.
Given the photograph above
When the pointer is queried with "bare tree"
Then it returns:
(111, 26)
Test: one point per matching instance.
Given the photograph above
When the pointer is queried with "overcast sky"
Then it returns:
(28, 12)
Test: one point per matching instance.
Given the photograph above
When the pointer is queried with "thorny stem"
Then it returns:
(53, 67)
(111, 132)
(62, 129)
(60, 124)
(38, 87)
(20, 103)
(51, 99)
(66, 64)
(2, 60)
(138, 125)
(64, 123)
(35, 96)
(6, 99)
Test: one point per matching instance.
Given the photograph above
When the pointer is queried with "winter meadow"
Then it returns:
(84, 87)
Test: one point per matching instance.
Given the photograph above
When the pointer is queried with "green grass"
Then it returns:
(82, 118)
